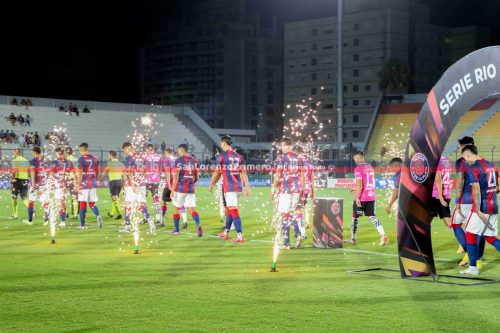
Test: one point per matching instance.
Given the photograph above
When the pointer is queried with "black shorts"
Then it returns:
(71, 188)
(115, 187)
(437, 209)
(367, 208)
(20, 187)
(153, 188)
(165, 196)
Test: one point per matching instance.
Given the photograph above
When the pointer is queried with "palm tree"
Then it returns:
(394, 76)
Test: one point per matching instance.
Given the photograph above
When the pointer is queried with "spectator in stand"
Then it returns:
(36, 139)
(75, 110)
(28, 102)
(13, 101)
(22, 142)
(13, 119)
(27, 139)
(86, 109)
(2, 135)
(27, 120)
(20, 119)
(163, 146)
(61, 108)
(23, 102)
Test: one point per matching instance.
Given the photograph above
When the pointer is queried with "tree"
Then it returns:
(394, 76)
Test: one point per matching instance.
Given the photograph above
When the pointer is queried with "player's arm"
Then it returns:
(196, 173)
(215, 178)
(246, 183)
(476, 194)
(394, 197)
(439, 186)
(32, 177)
(459, 186)
(104, 172)
(276, 180)
(79, 176)
(175, 180)
(359, 183)
(313, 185)
(14, 172)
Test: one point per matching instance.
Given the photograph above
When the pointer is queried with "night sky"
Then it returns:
(90, 50)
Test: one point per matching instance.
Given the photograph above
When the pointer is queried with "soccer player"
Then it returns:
(38, 169)
(186, 174)
(463, 204)
(364, 203)
(153, 166)
(395, 165)
(309, 189)
(231, 166)
(289, 182)
(483, 217)
(60, 170)
(441, 192)
(72, 183)
(20, 180)
(86, 185)
(114, 169)
(167, 165)
(135, 186)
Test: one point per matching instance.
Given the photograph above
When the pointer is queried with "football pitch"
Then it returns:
(90, 281)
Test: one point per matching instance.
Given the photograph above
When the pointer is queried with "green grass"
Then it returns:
(91, 282)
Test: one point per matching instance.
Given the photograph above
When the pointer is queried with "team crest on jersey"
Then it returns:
(419, 168)
(335, 208)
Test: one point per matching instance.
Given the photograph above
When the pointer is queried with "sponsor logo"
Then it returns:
(419, 168)
(335, 208)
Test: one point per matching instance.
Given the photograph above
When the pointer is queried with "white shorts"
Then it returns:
(476, 226)
(88, 195)
(187, 200)
(60, 194)
(40, 195)
(456, 218)
(288, 202)
(137, 194)
(231, 199)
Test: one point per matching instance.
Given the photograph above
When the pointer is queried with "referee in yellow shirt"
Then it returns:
(19, 181)
(115, 170)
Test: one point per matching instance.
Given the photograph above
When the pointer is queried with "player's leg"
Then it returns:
(178, 201)
(60, 196)
(184, 217)
(14, 194)
(129, 197)
(369, 210)
(143, 205)
(165, 197)
(190, 204)
(231, 199)
(112, 190)
(356, 213)
(82, 211)
(228, 224)
(457, 220)
(156, 203)
(284, 205)
(474, 227)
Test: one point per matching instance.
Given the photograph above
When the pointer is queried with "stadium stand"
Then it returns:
(105, 129)
(395, 121)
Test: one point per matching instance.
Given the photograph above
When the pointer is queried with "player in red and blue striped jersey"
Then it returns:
(86, 184)
(153, 169)
(231, 166)
(186, 174)
(38, 170)
(62, 171)
(309, 189)
(135, 185)
(289, 183)
(483, 218)
(395, 165)
(167, 167)
(463, 204)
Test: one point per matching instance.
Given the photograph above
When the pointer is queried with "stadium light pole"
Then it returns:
(340, 80)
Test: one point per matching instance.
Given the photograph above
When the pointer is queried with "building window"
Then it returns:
(368, 88)
(269, 73)
(255, 111)
(368, 102)
(355, 57)
(314, 91)
(270, 99)
(314, 32)
(220, 84)
(270, 85)
(355, 88)
(220, 97)
(355, 118)
(355, 72)
(328, 32)
(314, 47)
(355, 134)
(355, 42)
(314, 76)
(255, 99)
(327, 106)
(314, 61)
(355, 102)
(356, 26)
(254, 86)
(345, 89)
(270, 112)
(345, 135)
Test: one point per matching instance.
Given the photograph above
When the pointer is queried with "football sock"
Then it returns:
(354, 227)
(94, 208)
(472, 249)
(375, 221)
(459, 235)
(14, 207)
(196, 218)
(177, 218)
(236, 219)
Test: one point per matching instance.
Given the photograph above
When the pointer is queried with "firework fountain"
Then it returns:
(305, 129)
(144, 128)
